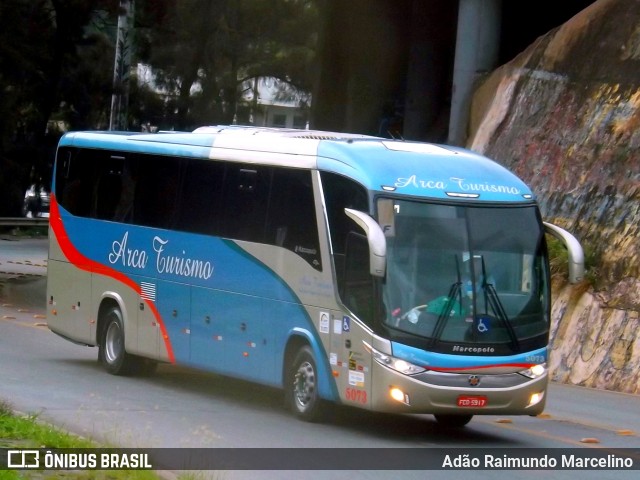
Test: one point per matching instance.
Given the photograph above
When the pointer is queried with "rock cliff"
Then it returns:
(565, 116)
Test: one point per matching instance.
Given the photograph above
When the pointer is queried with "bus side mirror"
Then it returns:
(375, 238)
(576, 255)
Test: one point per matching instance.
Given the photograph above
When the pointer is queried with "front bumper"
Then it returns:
(436, 392)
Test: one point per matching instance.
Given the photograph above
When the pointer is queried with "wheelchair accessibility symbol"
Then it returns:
(482, 327)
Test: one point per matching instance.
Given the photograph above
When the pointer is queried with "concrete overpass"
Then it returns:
(407, 67)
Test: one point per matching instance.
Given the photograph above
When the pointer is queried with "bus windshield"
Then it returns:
(461, 278)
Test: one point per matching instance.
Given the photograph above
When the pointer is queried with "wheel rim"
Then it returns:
(113, 342)
(304, 385)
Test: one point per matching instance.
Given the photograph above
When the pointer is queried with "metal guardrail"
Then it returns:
(23, 222)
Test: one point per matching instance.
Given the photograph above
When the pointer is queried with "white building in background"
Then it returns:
(278, 105)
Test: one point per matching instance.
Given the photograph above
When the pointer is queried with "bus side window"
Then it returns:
(341, 193)
(74, 181)
(201, 207)
(108, 187)
(246, 198)
(291, 219)
(124, 209)
(156, 196)
(356, 290)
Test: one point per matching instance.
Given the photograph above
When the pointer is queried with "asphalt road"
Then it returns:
(178, 407)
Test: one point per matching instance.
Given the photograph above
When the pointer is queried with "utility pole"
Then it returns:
(122, 67)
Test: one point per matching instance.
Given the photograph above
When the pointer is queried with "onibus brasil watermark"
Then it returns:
(411, 458)
(77, 460)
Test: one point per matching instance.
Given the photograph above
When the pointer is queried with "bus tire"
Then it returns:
(452, 421)
(302, 387)
(111, 350)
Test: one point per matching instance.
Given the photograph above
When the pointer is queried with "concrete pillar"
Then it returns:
(477, 49)
(362, 62)
(433, 31)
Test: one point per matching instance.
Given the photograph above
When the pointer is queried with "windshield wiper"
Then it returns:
(445, 313)
(454, 291)
(498, 309)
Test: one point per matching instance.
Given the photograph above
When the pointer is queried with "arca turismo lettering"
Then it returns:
(173, 264)
(460, 183)
(413, 181)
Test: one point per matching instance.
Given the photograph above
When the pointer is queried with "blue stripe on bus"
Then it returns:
(368, 161)
(226, 278)
(161, 144)
(175, 256)
(442, 361)
(423, 175)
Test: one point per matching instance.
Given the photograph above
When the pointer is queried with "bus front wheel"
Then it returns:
(111, 350)
(453, 421)
(302, 386)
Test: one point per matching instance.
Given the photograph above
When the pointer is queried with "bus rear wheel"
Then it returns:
(302, 387)
(111, 350)
(453, 421)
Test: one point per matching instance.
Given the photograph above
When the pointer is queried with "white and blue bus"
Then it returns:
(389, 275)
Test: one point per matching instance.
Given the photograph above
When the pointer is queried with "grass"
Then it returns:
(559, 261)
(28, 432)
(26, 232)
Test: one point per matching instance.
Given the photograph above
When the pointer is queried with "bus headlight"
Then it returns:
(396, 364)
(536, 371)
(535, 398)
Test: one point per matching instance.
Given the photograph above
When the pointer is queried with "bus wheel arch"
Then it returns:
(109, 352)
(301, 381)
(106, 305)
(111, 339)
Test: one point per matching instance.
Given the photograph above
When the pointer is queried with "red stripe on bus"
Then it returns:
(84, 263)
(522, 366)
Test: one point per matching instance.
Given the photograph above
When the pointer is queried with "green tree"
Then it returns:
(205, 53)
(56, 68)
(40, 58)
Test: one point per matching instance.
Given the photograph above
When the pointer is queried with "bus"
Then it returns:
(389, 275)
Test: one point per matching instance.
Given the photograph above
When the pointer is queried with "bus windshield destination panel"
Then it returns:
(393, 276)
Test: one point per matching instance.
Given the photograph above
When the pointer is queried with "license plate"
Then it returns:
(472, 401)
